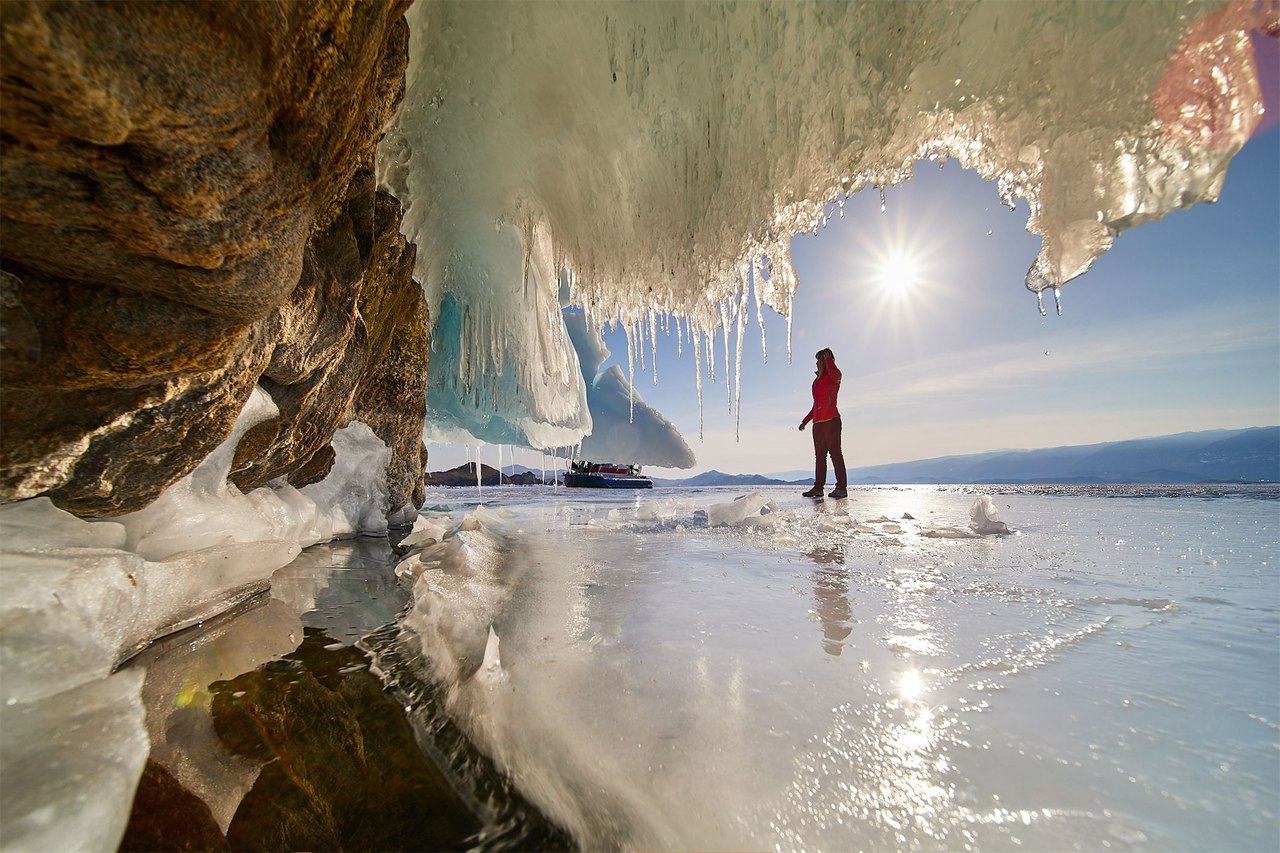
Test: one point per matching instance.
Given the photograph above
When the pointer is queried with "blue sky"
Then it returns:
(1177, 328)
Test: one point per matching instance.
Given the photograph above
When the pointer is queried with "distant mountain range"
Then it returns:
(465, 475)
(1216, 456)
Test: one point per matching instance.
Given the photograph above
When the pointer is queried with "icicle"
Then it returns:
(697, 370)
(653, 344)
(638, 326)
(499, 464)
(882, 205)
(791, 298)
(1057, 300)
(1040, 303)
(711, 351)
(724, 325)
(479, 485)
(679, 339)
(755, 292)
(741, 323)
(631, 378)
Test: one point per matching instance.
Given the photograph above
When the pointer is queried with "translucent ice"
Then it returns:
(660, 152)
(984, 519)
(753, 510)
(203, 509)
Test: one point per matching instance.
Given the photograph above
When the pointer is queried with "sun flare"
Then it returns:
(898, 273)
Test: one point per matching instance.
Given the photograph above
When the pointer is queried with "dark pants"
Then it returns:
(826, 439)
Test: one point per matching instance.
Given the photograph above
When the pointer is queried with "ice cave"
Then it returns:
(255, 253)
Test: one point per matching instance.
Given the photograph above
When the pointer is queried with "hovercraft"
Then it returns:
(605, 475)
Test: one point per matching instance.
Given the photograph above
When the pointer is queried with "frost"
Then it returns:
(658, 153)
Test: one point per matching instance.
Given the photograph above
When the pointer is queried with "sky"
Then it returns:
(944, 351)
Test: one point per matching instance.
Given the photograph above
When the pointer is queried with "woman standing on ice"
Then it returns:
(826, 426)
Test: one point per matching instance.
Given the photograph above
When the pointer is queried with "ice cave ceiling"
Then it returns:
(665, 153)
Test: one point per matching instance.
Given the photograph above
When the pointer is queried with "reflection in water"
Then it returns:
(831, 590)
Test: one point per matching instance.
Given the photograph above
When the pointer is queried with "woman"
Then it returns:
(826, 427)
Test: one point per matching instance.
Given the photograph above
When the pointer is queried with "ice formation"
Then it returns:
(77, 597)
(983, 518)
(624, 426)
(664, 154)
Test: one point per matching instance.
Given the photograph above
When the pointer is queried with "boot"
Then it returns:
(838, 492)
(815, 492)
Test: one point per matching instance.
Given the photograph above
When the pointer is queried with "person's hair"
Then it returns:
(825, 354)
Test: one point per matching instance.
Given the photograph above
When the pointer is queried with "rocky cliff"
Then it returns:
(188, 209)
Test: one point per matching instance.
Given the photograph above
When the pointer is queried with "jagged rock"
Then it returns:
(392, 398)
(178, 209)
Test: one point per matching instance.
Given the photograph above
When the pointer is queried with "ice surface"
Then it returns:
(179, 702)
(663, 153)
(70, 766)
(841, 680)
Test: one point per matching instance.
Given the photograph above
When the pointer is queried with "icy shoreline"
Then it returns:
(79, 597)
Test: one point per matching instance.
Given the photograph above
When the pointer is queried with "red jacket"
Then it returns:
(825, 389)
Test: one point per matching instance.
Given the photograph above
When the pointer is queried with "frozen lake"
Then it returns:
(854, 675)
(678, 669)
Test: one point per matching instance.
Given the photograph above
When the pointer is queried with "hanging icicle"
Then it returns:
(740, 322)
(631, 377)
(653, 344)
(755, 292)
(697, 371)
(724, 326)
(791, 297)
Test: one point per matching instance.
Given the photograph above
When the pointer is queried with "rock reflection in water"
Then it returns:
(269, 732)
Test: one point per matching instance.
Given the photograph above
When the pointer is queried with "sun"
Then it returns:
(898, 273)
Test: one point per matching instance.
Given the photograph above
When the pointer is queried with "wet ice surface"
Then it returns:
(842, 676)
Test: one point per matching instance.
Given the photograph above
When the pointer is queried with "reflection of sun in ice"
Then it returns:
(910, 686)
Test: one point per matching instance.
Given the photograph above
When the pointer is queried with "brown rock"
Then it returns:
(166, 816)
(179, 219)
(392, 394)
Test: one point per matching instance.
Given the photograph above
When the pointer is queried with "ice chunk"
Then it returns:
(491, 672)
(425, 530)
(753, 510)
(71, 762)
(984, 519)
(36, 525)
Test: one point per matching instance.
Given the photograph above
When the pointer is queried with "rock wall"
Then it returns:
(188, 209)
